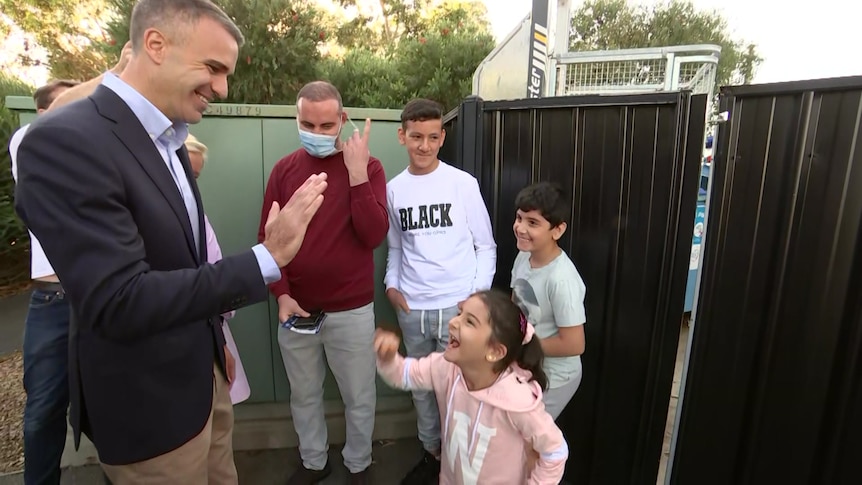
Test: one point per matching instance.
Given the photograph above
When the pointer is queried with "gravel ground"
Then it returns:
(11, 413)
(12, 399)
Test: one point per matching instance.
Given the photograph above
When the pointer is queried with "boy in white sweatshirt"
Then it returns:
(441, 250)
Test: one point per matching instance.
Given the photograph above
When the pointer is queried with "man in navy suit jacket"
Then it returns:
(105, 183)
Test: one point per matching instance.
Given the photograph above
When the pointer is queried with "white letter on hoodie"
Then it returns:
(459, 445)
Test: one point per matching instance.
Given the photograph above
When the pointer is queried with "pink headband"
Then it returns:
(527, 330)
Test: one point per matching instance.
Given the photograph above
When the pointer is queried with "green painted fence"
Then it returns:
(245, 142)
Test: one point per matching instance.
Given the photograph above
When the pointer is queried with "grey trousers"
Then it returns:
(556, 399)
(424, 332)
(347, 339)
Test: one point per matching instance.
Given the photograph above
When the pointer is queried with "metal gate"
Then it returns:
(631, 165)
(773, 388)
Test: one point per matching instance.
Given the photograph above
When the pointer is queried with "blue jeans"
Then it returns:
(46, 380)
(424, 332)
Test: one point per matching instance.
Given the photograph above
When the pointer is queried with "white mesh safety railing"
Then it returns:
(637, 70)
(699, 77)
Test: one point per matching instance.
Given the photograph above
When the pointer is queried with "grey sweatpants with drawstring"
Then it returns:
(424, 332)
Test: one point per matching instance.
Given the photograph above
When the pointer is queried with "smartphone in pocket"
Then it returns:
(309, 325)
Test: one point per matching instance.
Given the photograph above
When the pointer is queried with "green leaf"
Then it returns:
(617, 24)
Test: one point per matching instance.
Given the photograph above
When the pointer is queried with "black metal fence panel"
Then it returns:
(631, 165)
(773, 392)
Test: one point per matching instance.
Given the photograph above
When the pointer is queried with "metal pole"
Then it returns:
(537, 66)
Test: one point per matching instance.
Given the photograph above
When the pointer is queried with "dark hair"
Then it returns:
(421, 110)
(162, 14)
(319, 91)
(46, 94)
(547, 198)
(505, 319)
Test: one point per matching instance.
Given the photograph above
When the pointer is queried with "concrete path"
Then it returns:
(13, 311)
(392, 460)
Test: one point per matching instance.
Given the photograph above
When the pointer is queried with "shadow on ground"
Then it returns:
(392, 460)
(13, 311)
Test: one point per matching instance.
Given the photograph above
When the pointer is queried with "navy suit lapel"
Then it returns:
(132, 134)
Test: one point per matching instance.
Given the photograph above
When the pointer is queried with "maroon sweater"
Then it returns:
(334, 269)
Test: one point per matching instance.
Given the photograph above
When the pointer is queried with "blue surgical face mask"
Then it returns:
(318, 145)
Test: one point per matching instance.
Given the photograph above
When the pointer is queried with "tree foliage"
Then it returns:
(377, 60)
(378, 25)
(283, 40)
(67, 29)
(14, 241)
(116, 27)
(434, 58)
(616, 24)
(380, 53)
(282, 50)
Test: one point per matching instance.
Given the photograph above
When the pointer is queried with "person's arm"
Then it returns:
(368, 212)
(392, 279)
(570, 341)
(214, 254)
(567, 303)
(538, 429)
(411, 374)
(14, 143)
(92, 240)
(273, 194)
(513, 274)
(479, 223)
(213, 249)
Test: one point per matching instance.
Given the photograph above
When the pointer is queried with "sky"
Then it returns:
(813, 40)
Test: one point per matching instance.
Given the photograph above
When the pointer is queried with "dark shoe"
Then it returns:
(304, 476)
(360, 478)
(427, 471)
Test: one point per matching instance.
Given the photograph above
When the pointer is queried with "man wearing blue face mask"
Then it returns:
(325, 296)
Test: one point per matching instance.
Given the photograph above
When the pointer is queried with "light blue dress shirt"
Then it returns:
(168, 138)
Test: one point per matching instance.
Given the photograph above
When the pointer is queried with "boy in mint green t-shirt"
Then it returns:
(549, 290)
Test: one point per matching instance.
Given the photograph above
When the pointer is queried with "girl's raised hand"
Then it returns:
(386, 344)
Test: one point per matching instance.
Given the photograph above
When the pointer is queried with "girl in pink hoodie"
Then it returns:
(488, 384)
